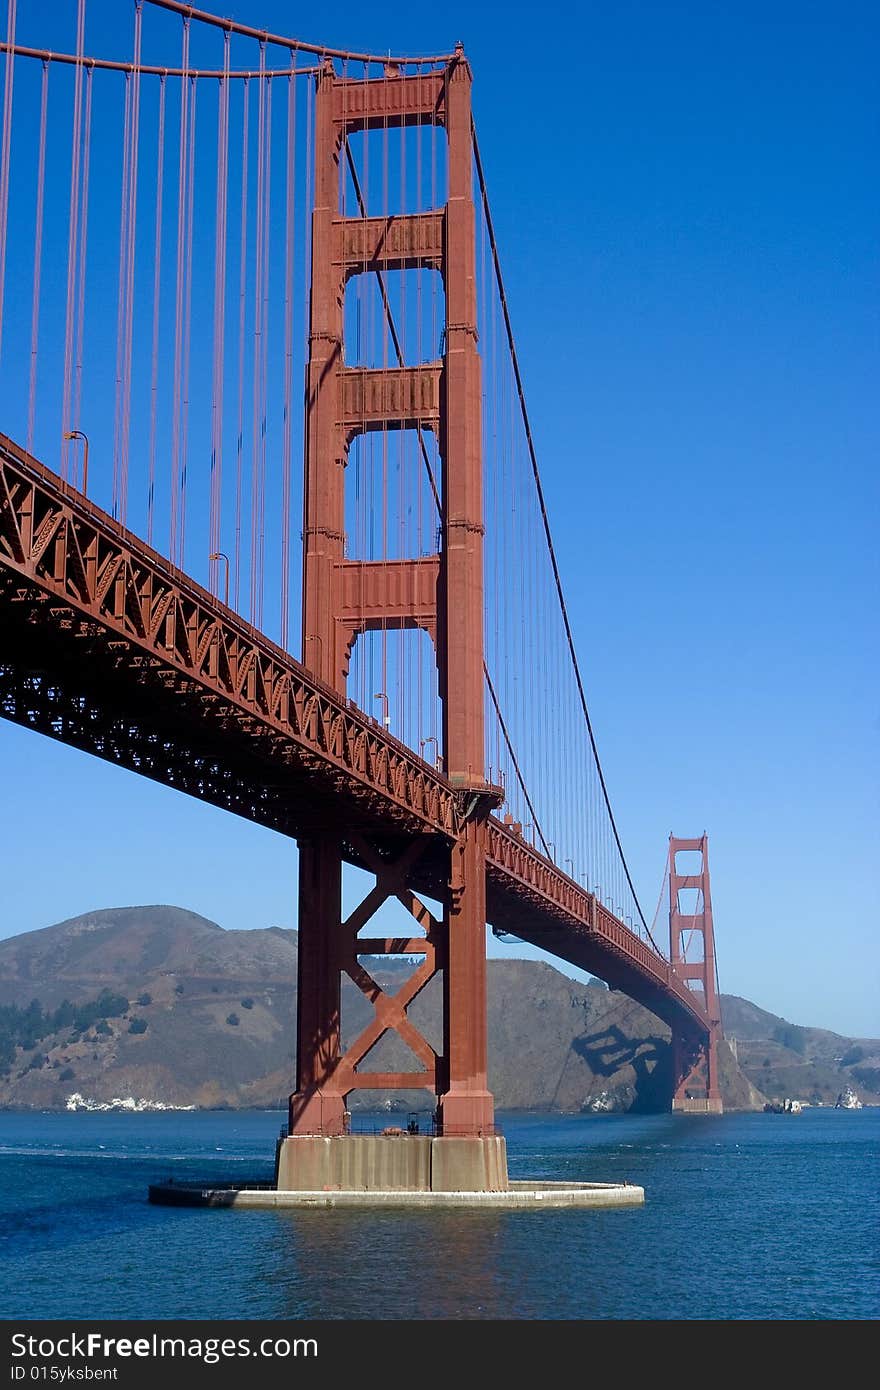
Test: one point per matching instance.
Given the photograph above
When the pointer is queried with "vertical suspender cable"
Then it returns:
(157, 284)
(424, 719)
(187, 312)
(120, 298)
(38, 256)
(216, 480)
(404, 647)
(242, 302)
(404, 644)
(362, 196)
(307, 255)
(361, 445)
(178, 294)
(374, 681)
(355, 356)
(83, 241)
(488, 337)
(286, 446)
(264, 351)
(384, 495)
(6, 150)
(72, 231)
(546, 523)
(258, 328)
(130, 258)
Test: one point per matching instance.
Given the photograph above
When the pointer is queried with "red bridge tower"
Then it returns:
(692, 955)
(442, 594)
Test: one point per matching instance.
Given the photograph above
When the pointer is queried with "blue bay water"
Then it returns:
(745, 1217)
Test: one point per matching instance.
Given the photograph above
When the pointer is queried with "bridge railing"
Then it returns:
(558, 895)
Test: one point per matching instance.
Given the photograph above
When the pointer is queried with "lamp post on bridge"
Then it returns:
(78, 434)
(221, 555)
(423, 743)
(386, 717)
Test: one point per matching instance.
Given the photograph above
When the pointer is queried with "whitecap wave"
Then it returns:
(76, 1101)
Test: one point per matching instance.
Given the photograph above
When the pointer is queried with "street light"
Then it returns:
(551, 850)
(78, 434)
(221, 555)
(423, 743)
(386, 719)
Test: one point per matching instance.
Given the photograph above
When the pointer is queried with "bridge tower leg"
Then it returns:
(695, 1060)
(443, 595)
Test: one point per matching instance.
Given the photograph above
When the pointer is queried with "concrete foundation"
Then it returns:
(519, 1196)
(701, 1105)
(380, 1163)
(395, 1170)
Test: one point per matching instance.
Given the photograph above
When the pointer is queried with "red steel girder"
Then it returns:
(400, 242)
(67, 548)
(385, 102)
(389, 398)
(60, 554)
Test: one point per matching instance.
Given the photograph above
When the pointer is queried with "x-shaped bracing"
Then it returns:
(390, 1009)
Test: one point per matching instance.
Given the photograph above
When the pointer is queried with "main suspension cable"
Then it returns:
(545, 519)
(281, 41)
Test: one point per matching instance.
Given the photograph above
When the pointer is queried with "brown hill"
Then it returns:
(808, 1064)
(122, 948)
(210, 1022)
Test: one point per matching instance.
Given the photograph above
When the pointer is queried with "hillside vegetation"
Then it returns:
(158, 1003)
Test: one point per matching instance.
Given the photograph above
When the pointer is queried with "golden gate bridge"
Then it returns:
(223, 252)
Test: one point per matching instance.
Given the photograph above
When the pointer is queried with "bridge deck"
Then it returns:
(107, 646)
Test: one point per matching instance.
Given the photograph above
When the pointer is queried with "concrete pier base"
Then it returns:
(519, 1196)
(402, 1170)
(700, 1105)
(391, 1163)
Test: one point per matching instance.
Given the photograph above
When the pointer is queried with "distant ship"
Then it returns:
(847, 1100)
(783, 1107)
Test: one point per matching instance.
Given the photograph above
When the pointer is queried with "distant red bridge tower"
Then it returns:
(692, 955)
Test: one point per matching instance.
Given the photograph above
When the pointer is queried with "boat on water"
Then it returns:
(783, 1107)
(847, 1100)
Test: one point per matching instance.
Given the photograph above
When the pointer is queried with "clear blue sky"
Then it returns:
(686, 201)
